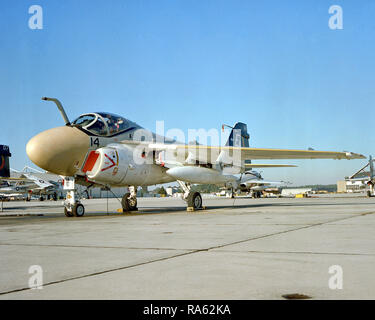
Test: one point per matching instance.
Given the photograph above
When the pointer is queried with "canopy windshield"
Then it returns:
(102, 124)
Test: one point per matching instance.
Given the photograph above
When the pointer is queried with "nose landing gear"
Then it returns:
(73, 207)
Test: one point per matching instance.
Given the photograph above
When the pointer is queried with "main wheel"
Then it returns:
(78, 210)
(128, 203)
(68, 213)
(41, 198)
(194, 200)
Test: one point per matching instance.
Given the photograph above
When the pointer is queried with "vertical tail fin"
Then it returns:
(238, 136)
(4, 161)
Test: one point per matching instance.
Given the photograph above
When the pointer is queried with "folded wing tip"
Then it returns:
(352, 155)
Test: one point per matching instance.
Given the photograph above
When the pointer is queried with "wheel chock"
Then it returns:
(191, 209)
(122, 210)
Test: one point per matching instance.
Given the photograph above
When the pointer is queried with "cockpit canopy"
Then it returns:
(103, 124)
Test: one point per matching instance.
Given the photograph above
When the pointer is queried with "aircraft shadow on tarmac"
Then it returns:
(24, 208)
(210, 208)
(182, 208)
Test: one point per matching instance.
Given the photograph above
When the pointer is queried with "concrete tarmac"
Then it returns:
(235, 249)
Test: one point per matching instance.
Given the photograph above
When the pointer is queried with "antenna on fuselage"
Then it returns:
(60, 107)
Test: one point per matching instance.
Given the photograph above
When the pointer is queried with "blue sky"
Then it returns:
(275, 65)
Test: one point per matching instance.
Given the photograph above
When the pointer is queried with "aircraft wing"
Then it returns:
(260, 153)
(257, 153)
(181, 152)
(267, 165)
(42, 184)
(359, 179)
(11, 179)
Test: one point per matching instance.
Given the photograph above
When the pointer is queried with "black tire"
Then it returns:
(41, 198)
(68, 213)
(194, 200)
(128, 204)
(78, 210)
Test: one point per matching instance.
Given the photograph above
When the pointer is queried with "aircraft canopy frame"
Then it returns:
(102, 124)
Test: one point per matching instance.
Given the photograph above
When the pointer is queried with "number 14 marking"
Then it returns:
(94, 142)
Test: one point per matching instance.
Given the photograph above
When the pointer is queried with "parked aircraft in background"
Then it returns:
(39, 187)
(10, 188)
(25, 184)
(368, 178)
(255, 185)
(108, 150)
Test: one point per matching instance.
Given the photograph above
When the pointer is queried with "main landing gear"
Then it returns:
(193, 199)
(129, 200)
(371, 191)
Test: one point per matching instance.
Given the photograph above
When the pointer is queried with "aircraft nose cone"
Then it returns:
(59, 150)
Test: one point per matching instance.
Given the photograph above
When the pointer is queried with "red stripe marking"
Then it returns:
(90, 162)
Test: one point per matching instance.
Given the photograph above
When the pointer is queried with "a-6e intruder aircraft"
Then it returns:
(108, 150)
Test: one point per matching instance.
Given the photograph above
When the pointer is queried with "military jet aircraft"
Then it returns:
(105, 149)
(254, 184)
(367, 177)
(9, 189)
(37, 186)
(28, 184)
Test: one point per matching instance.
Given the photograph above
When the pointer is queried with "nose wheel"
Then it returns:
(72, 206)
(78, 210)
